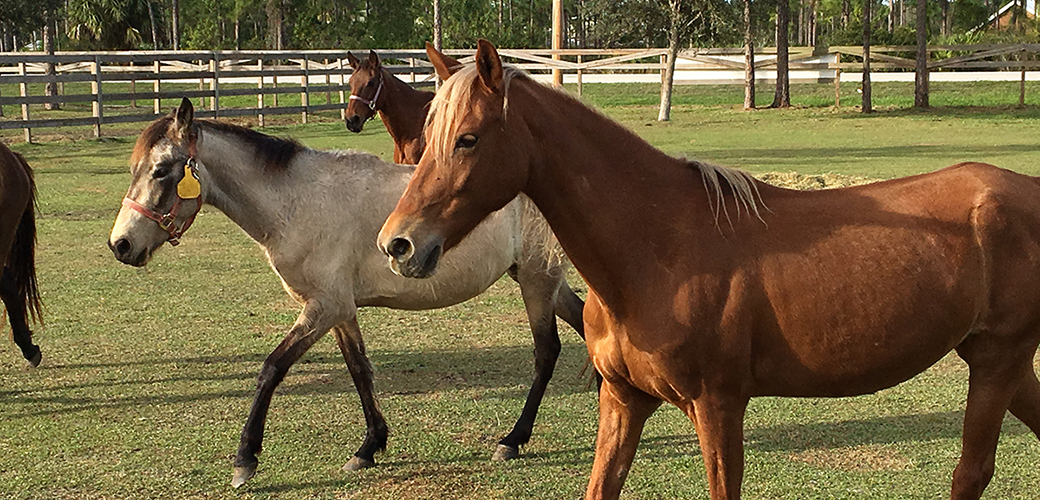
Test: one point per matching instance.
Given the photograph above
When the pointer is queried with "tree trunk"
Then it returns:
(175, 15)
(151, 23)
(944, 14)
(275, 25)
(664, 114)
(749, 59)
(437, 37)
(51, 88)
(921, 76)
(782, 96)
(867, 107)
(846, 13)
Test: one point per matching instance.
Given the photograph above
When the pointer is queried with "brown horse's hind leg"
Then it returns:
(16, 309)
(623, 411)
(1025, 405)
(348, 337)
(994, 380)
(539, 288)
(310, 326)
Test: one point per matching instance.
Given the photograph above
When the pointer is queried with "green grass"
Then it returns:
(148, 374)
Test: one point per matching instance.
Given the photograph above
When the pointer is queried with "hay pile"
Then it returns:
(794, 180)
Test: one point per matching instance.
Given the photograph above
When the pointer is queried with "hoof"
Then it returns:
(357, 463)
(505, 452)
(243, 474)
(35, 360)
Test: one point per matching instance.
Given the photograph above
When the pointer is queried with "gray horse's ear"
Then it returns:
(444, 64)
(489, 65)
(373, 59)
(353, 61)
(183, 117)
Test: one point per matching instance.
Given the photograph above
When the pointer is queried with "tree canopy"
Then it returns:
(322, 24)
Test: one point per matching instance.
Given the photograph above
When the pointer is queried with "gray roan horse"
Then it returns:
(316, 214)
(18, 249)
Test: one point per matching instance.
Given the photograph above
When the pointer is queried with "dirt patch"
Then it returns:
(863, 458)
(794, 180)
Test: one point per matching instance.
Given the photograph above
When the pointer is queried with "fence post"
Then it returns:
(304, 98)
(411, 64)
(664, 66)
(97, 107)
(156, 103)
(274, 81)
(1, 108)
(342, 93)
(23, 90)
(1022, 81)
(133, 87)
(328, 81)
(837, 86)
(579, 75)
(260, 95)
(202, 85)
(214, 83)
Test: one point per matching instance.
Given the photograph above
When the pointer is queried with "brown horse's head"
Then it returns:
(474, 164)
(366, 88)
(163, 197)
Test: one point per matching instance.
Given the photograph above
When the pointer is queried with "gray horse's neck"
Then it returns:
(240, 188)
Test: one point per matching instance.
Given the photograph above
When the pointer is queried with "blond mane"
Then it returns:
(741, 184)
(449, 107)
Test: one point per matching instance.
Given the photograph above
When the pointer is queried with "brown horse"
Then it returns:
(402, 108)
(18, 249)
(708, 288)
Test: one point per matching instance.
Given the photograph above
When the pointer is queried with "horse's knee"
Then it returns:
(970, 479)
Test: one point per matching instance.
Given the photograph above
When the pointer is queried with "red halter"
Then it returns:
(166, 221)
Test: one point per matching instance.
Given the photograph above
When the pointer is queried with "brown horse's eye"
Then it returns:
(466, 141)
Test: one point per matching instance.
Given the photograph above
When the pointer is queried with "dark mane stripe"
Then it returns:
(273, 153)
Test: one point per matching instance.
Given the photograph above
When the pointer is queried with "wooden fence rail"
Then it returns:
(320, 77)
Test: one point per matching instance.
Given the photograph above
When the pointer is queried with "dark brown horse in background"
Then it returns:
(403, 109)
(708, 287)
(18, 248)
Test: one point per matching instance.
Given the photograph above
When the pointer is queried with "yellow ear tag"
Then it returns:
(189, 187)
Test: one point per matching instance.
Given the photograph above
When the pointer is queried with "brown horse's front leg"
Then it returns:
(623, 410)
(311, 325)
(720, 428)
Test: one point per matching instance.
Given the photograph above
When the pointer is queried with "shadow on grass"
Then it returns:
(505, 370)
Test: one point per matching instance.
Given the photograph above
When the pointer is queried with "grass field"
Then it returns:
(148, 374)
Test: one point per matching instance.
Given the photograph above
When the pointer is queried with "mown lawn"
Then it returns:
(148, 374)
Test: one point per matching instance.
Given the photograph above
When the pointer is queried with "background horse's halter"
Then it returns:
(370, 103)
(189, 188)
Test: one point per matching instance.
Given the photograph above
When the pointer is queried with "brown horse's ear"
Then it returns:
(353, 61)
(489, 66)
(373, 59)
(182, 118)
(444, 64)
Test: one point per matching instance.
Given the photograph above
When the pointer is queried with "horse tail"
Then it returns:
(22, 258)
(539, 241)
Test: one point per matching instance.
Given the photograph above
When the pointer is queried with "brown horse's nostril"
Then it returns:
(400, 248)
(354, 123)
(121, 248)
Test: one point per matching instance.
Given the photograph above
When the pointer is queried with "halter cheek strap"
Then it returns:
(371, 104)
(188, 186)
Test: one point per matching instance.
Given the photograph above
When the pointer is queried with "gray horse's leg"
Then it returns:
(310, 326)
(539, 288)
(351, 344)
(569, 308)
(16, 308)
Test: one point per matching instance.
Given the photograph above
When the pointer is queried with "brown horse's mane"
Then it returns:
(457, 90)
(274, 153)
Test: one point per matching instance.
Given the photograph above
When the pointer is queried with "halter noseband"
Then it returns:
(167, 221)
(370, 103)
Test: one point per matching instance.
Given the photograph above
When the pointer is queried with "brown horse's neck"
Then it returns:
(404, 114)
(607, 193)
